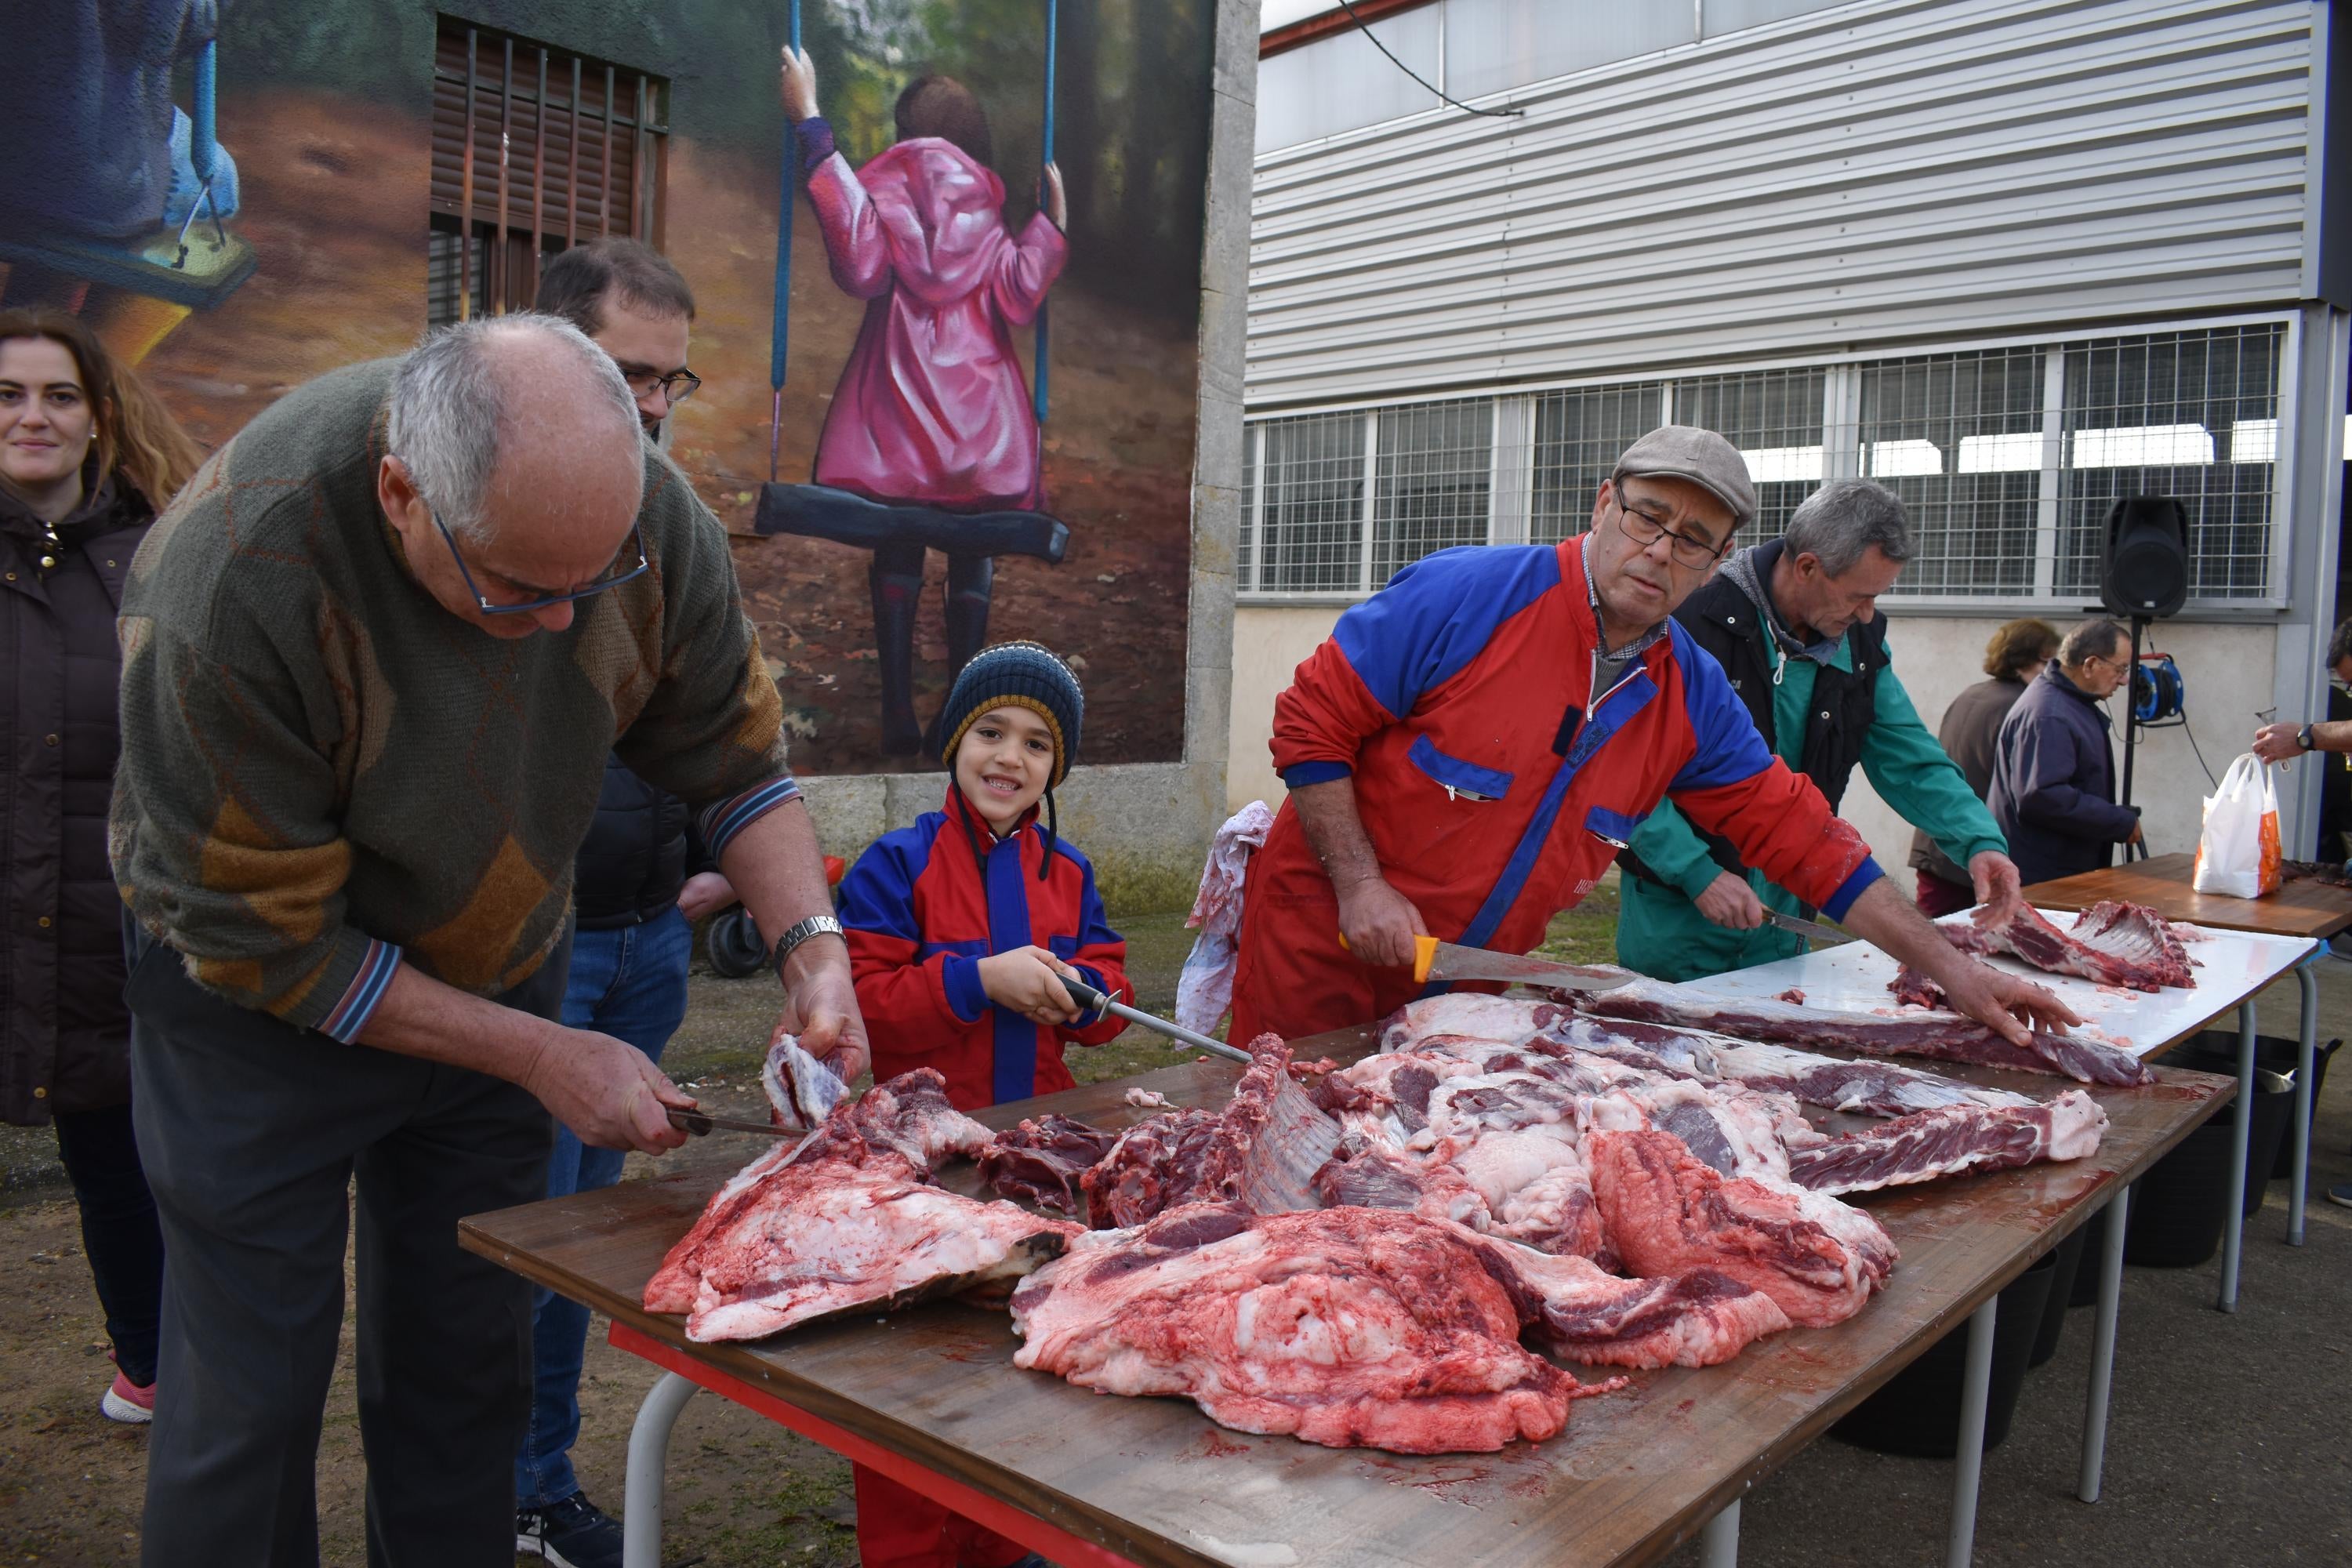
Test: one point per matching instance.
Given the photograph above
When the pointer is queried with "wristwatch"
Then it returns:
(2303, 737)
(815, 925)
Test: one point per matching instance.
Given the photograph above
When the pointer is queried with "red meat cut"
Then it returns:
(2111, 944)
(1927, 1144)
(1263, 1150)
(1042, 1160)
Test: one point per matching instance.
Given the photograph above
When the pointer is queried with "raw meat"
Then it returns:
(1793, 996)
(1869, 1087)
(1371, 1173)
(1145, 1099)
(2327, 873)
(1263, 1150)
(1931, 1143)
(2111, 944)
(1467, 1013)
(1042, 1160)
(1204, 991)
(1698, 1319)
(1348, 1326)
(1913, 989)
(802, 1091)
(1668, 1213)
(1945, 1036)
(846, 1220)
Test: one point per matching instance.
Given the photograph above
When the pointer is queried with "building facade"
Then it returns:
(2015, 259)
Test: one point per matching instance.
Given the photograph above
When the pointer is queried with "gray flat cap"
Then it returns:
(1701, 457)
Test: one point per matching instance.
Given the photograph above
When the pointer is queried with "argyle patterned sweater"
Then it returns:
(326, 775)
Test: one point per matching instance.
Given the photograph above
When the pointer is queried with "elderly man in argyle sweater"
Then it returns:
(373, 658)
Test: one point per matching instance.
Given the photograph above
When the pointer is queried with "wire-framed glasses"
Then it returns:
(1688, 550)
(630, 562)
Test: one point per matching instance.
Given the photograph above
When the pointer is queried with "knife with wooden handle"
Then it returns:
(1444, 961)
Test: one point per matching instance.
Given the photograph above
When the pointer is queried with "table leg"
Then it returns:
(2307, 1048)
(641, 1500)
(2233, 1233)
(2103, 1346)
(1718, 1543)
(1974, 1392)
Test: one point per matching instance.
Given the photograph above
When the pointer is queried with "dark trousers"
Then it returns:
(100, 1155)
(255, 1136)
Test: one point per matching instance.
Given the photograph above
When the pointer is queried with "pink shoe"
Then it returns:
(128, 1403)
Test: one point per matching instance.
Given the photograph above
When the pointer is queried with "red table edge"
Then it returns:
(993, 1513)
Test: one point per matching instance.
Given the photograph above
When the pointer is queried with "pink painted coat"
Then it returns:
(932, 406)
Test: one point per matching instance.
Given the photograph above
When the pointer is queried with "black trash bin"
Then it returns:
(2181, 1206)
(2216, 1050)
(2067, 1269)
(1918, 1413)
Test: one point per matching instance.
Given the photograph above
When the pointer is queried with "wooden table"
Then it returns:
(930, 1397)
(2306, 908)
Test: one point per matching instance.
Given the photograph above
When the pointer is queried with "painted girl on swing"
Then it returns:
(931, 409)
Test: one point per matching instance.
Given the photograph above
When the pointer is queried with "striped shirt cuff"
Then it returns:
(721, 822)
(349, 1016)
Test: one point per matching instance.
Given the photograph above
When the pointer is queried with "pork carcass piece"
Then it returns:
(1043, 1159)
(801, 1090)
(1869, 1087)
(1262, 1150)
(1470, 1013)
(848, 1221)
(2111, 944)
(1945, 1036)
(1698, 1319)
(1927, 1144)
(1668, 1213)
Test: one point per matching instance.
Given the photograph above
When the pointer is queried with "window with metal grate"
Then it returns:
(1578, 433)
(534, 149)
(1959, 437)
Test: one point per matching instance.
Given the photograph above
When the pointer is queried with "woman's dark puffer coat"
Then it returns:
(63, 1033)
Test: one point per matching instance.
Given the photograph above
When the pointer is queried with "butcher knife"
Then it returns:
(1086, 996)
(1814, 929)
(1446, 960)
(699, 1123)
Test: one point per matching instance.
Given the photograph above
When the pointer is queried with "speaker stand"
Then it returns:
(2140, 625)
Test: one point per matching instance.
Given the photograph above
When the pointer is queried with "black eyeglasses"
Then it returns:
(677, 386)
(1687, 548)
(619, 573)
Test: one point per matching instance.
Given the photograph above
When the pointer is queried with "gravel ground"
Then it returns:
(2226, 1443)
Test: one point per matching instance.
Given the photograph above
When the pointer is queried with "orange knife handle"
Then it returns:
(1425, 955)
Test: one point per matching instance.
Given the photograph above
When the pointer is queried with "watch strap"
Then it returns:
(2303, 737)
(800, 931)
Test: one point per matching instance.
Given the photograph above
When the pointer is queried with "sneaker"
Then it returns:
(574, 1533)
(2341, 1194)
(128, 1403)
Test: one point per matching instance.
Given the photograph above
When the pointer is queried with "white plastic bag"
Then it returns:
(2237, 853)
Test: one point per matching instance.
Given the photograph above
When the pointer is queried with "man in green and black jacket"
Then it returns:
(1795, 624)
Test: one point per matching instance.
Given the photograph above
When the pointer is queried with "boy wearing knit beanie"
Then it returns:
(961, 928)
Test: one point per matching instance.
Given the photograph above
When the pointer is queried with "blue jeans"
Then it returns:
(629, 982)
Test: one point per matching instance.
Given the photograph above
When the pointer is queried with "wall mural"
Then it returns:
(980, 423)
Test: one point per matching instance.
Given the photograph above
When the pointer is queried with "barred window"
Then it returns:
(1307, 510)
(2190, 414)
(1431, 481)
(1958, 436)
(1578, 435)
(534, 149)
(1775, 417)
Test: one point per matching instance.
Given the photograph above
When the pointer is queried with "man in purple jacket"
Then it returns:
(2053, 766)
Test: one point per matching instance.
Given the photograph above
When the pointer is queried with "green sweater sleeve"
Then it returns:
(225, 835)
(1912, 773)
(711, 730)
(1671, 848)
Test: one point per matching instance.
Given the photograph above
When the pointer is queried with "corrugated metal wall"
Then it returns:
(1873, 175)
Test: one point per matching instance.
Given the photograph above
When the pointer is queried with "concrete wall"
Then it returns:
(1147, 826)
(2228, 668)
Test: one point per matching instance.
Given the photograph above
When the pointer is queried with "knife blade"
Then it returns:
(1812, 929)
(702, 1124)
(1436, 960)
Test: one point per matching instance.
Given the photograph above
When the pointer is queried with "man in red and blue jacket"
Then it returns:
(1473, 744)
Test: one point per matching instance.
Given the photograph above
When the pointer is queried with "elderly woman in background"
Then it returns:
(87, 457)
(2014, 656)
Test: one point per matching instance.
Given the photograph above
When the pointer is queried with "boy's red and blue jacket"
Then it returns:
(921, 914)
(1495, 784)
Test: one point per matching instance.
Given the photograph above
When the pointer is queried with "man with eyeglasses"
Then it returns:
(1795, 624)
(2053, 763)
(1475, 743)
(375, 657)
(641, 879)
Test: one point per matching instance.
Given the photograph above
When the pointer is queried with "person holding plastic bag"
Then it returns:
(2237, 853)
(2053, 766)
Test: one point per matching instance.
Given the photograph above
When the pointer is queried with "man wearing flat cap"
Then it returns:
(1474, 744)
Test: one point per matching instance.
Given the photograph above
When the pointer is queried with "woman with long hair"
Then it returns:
(88, 455)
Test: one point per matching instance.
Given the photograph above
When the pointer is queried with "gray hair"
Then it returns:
(2097, 637)
(449, 413)
(1841, 521)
